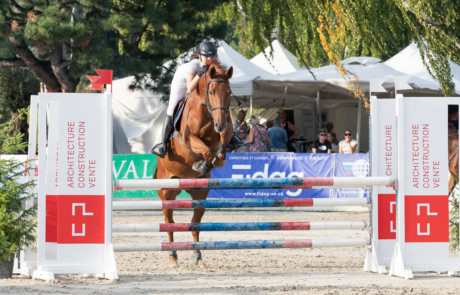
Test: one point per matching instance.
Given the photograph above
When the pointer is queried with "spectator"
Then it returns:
(291, 130)
(243, 134)
(332, 138)
(258, 137)
(278, 137)
(239, 122)
(321, 145)
(348, 145)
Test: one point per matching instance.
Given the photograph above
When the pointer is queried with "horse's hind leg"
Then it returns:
(197, 215)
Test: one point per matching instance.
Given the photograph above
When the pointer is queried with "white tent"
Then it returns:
(410, 63)
(134, 111)
(330, 97)
(293, 90)
(280, 61)
(244, 72)
(361, 60)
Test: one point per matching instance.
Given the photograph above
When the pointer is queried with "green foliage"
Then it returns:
(16, 225)
(321, 32)
(13, 144)
(130, 37)
(16, 87)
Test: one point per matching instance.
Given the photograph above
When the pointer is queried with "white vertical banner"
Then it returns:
(422, 240)
(383, 163)
(75, 213)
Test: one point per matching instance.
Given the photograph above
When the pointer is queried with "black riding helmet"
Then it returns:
(207, 48)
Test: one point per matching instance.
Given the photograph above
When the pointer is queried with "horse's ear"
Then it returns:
(212, 72)
(229, 72)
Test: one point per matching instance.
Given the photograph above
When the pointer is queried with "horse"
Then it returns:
(200, 145)
(453, 156)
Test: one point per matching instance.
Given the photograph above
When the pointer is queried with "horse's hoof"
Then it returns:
(197, 258)
(218, 165)
(173, 259)
(197, 165)
(204, 168)
(201, 264)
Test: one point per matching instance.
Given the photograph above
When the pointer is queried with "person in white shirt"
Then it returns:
(186, 80)
(348, 145)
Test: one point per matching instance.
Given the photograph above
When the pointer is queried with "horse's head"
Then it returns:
(217, 94)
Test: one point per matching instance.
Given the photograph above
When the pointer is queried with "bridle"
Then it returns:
(207, 104)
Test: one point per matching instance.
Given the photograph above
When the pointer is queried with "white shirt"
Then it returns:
(345, 147)
(179, 81)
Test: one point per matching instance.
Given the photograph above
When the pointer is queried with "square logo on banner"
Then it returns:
(81, 219)
(387, 216)
(427, 219)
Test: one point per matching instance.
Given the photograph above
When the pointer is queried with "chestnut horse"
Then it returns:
(205, 130)
(453, 156)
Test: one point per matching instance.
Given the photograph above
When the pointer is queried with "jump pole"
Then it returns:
(243, 226)
(250, 183)
(238, 245)
(244, 203)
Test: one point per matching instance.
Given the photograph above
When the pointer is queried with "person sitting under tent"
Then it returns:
(239, 122)
(186, 80)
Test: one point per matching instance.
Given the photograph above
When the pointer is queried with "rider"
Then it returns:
(186, 80)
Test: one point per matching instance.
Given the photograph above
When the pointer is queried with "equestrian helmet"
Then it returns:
(207, 48)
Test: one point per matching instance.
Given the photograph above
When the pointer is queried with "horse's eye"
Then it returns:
(210, 92)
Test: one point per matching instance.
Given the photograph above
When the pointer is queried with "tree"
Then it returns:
(16, 87)
(327, 31)
(61, 40)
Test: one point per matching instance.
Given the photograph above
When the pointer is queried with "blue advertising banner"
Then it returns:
(274, 165)
(351, 165)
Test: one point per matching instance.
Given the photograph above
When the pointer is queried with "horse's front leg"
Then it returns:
(198, 146)
(225, 138)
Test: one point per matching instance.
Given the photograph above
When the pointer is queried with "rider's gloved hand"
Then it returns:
(202, 71)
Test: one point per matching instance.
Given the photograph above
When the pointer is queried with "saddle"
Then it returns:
(177, 118)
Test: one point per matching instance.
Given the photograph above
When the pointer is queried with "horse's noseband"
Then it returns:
(208, 105)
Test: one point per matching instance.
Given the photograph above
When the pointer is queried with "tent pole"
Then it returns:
(358, 128)
(318, 108)
(250, 106)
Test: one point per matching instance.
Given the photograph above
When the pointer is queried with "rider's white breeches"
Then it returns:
(175, 96)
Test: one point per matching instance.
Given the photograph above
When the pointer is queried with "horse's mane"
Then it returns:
(220, 68)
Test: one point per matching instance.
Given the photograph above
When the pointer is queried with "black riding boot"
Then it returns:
(160, 150)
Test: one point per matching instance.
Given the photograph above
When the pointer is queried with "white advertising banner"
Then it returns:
(423, 201)
(383, 163)
(74, 237)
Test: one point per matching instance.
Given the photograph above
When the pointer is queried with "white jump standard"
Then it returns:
(76, 206)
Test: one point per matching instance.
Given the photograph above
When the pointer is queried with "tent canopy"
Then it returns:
(280, 61)
(244, 72)
(294, 89)
(409, 62)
